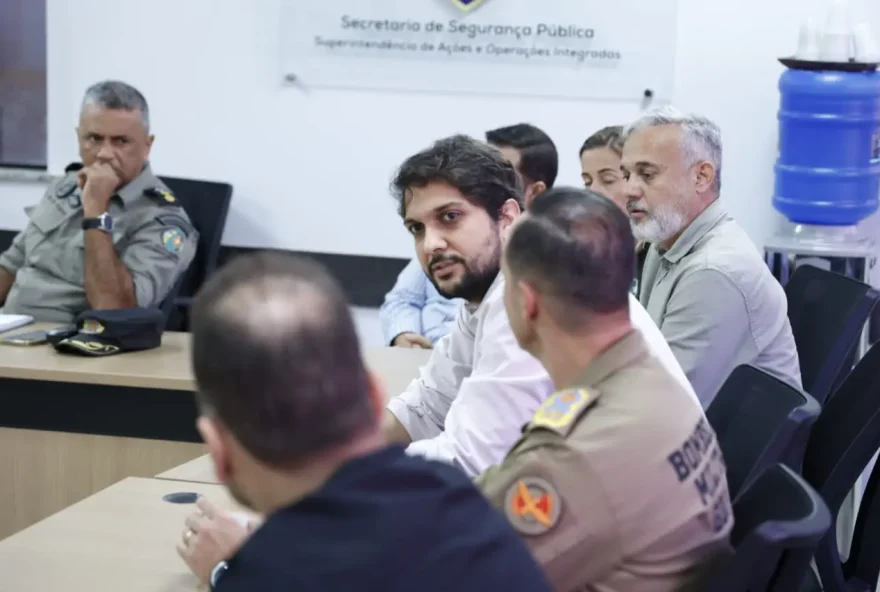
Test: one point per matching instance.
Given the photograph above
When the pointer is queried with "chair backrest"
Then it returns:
(759, 421)
(863, 564)
(207, 204)
(842, 442)
(827, 312)
(168, 304)
(778, 521)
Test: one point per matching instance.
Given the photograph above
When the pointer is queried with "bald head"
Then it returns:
(276, 304)
(277, 360)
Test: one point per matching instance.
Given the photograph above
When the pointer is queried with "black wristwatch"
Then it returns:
(217, 573)
(103, 222)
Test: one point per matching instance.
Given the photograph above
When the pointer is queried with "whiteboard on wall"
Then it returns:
(561, 48)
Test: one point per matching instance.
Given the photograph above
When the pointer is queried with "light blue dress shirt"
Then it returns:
(415, 306)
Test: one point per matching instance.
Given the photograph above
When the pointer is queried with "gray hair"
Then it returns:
(113, 94)
(701, 137)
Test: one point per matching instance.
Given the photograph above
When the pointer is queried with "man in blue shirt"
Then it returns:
(414, 314)
(291, 417)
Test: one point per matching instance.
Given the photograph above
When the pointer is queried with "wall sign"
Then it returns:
(564, 48)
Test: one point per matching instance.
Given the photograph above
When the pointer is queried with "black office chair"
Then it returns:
(842, 442)
(759, 421)
(828, 312)
(168, 304)
(207, 204)
(778, 521)
(863, 565)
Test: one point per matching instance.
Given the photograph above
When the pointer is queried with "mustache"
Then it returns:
(444, 259)
(632, 206)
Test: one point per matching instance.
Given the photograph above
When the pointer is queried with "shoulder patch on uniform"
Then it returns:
(532, 506)
(173, 239)
(161, 194)
(560, 412)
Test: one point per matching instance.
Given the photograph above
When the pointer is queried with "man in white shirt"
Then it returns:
(458, 199)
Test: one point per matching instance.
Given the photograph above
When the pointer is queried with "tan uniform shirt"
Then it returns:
(618, 484)
(718, 305)
(152, 235)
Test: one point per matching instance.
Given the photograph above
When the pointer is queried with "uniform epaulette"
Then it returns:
(560, 413)
(163, 195)
(65, 186)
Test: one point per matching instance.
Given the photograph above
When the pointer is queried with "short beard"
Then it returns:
(660, 226)
(479, 275)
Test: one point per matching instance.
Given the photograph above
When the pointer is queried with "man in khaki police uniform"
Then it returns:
(108, 234)
(617, 483)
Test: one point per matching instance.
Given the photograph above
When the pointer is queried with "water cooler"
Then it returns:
(828, 169)
(827, 172)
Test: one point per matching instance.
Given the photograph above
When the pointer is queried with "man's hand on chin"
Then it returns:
(98, 183)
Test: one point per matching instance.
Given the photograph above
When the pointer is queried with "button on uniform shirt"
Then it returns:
(718, 305)
(387, 522)
(479, 388)
(415, 306)
(152, 235)
(618, 483)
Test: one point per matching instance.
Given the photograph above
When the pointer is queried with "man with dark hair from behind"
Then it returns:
(598, 484)
(290, 416)
(531, 152)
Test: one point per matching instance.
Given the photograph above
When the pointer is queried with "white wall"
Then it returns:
(369, 328)
(311, 169)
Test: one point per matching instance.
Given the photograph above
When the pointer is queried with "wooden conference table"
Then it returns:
(199, 470)
(71, 426)
(122, 538)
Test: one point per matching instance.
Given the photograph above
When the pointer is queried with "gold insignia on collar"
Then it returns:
(162, 193)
